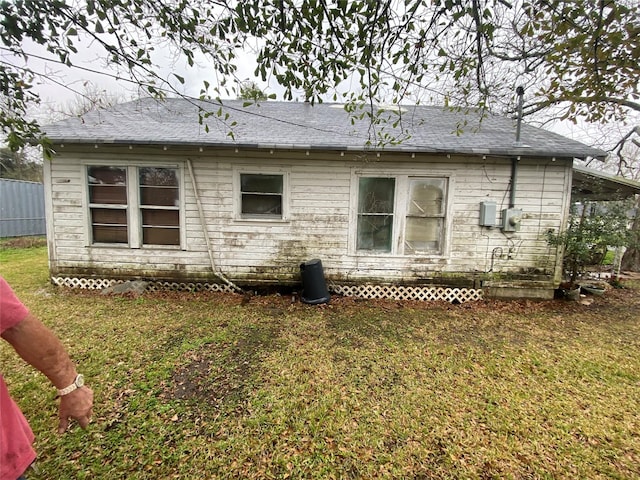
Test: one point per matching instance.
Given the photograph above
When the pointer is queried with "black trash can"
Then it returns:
(314, 287)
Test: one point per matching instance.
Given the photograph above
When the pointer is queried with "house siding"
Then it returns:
(320, 219)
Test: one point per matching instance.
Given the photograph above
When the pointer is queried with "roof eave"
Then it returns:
(499, 152)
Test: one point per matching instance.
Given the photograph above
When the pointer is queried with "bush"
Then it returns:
(593, 228)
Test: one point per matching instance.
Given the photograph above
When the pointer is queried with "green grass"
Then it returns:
(208, 386)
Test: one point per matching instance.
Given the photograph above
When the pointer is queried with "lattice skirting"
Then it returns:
(399, 292)
(153, 286)
(395, 292)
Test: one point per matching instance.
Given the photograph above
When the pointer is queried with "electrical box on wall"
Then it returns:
(511, 218)
(488, 214)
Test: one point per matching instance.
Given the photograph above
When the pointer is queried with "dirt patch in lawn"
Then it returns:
(223, 374)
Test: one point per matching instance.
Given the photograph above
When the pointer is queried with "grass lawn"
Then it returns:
(192, 386)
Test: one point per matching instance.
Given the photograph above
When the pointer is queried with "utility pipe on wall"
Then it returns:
(514, 176)
(203, 222)
(515, 160)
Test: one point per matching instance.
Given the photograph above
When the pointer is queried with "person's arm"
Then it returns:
(39, 346)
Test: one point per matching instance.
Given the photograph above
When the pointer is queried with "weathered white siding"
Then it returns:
(320, 219)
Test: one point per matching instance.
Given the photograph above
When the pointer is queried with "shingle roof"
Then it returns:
(299, 125)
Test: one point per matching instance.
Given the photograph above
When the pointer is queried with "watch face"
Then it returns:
(79, 380)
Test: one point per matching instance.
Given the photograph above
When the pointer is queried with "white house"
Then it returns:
(208, 195)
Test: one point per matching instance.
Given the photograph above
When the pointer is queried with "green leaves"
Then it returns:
(590, 65)
(593, 228)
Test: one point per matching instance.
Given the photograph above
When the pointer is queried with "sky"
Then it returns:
(60, 86)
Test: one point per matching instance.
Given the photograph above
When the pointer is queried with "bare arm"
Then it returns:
(38, 346)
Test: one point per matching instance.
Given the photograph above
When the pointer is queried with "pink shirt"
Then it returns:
(16, 437)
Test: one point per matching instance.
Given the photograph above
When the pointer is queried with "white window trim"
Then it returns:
(237, 194)
(353, 222)
(399, 213)
(134, 220)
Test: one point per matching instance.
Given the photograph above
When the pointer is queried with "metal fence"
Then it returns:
(21, 208)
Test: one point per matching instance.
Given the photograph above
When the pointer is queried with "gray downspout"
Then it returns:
(514, 177)
(515, 160)
(196, 194)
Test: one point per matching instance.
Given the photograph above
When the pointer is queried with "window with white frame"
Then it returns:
(425, 215)
(134, 205)
(159, 203)
(108, 204)
(262, 195)
(401, 214)
(376, 198)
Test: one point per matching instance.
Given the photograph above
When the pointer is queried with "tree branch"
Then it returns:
(538, 106)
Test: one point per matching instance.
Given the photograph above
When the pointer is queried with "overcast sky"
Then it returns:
(60, 85)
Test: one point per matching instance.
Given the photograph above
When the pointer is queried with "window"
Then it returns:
(425, 215)
(261, 195)
(401, 214)
(375, 213)
(108, 204)
(159, 206)
(134, 205)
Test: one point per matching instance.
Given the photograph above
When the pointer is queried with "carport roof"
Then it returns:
(590, 184)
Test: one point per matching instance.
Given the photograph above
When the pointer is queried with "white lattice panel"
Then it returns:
(399, 292)
(189, 287)
(395, 292)
(102, 283)
(83, 283)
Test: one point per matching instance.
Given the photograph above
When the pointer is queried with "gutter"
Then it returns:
(530, 152)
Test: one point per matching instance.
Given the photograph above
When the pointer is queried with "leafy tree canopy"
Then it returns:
(576, 58)
(16, 166)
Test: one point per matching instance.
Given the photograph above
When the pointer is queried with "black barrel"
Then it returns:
(314, 287)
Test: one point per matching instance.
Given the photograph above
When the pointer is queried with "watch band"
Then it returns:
(77, 383)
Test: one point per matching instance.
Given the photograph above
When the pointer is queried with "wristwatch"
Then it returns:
(77, 383)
